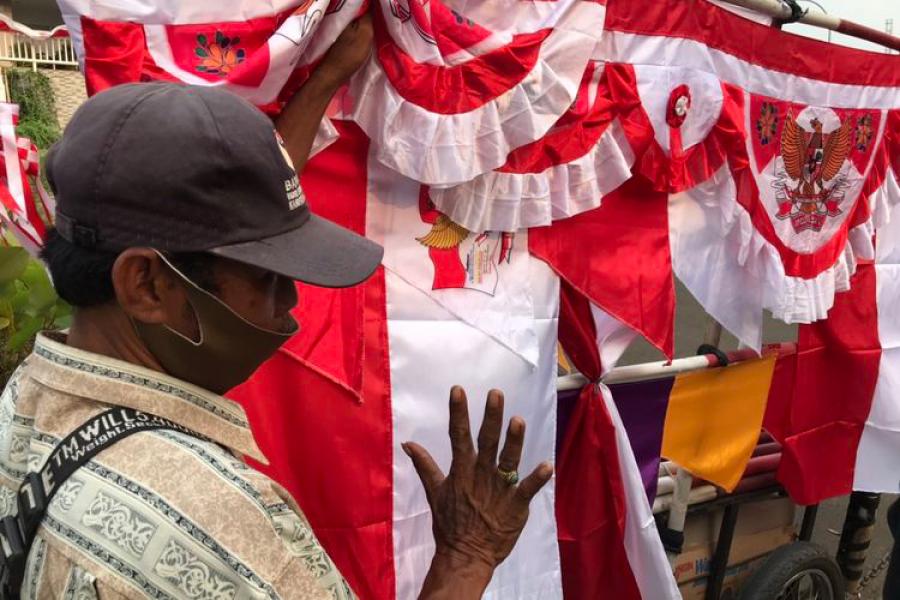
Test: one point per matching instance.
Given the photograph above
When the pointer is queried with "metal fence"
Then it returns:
(25, 51)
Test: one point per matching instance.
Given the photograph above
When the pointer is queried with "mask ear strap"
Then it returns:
(199, 290)
(186, 280)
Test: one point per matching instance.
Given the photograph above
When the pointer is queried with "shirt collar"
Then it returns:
(117, 382)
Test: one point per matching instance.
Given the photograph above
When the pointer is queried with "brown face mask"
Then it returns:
(229, 350)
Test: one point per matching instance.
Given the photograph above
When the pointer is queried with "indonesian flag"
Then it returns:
(773, 162)
(838, 416)
(374, 365)
(262, 51)
(19, 213)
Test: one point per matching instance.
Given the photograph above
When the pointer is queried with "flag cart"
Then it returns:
(753, 543)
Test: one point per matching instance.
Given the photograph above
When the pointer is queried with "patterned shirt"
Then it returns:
(159, 514)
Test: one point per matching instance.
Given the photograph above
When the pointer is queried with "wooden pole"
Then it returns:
(782, 12)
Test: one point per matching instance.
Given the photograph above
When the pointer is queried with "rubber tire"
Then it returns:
(787, 561)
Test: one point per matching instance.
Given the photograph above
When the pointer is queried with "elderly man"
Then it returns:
(181, 228)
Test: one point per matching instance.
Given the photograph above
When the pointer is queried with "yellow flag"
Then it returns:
(714, 419)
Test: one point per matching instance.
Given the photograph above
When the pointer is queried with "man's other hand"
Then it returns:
(477, 513)
(348, 52)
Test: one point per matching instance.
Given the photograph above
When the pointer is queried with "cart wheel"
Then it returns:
(798, 571)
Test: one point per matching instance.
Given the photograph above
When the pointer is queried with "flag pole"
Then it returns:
(782, 12)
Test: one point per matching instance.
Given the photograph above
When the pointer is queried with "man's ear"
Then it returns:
(146, 288)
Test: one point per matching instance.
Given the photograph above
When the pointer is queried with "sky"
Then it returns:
(872, 13)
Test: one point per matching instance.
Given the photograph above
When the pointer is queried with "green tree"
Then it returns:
(28, 304)
(31, 90)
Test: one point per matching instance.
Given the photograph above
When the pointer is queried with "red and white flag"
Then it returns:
(835, 408)
(374, 365)
(259, 50)
(19, 213)
(377, 363)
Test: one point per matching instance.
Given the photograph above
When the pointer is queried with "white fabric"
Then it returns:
(618, 46)
(613, 338)
(173, 11)
(430, 351)
(877, 467)
(16, 221)
(450, 149)
(438, 338)
(646, 555)
(512, 16)
(655, 86)
(498, 201)
(502, 306)
(734, 272)
(13, 174)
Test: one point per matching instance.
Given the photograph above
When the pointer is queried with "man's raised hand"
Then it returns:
(478, 510)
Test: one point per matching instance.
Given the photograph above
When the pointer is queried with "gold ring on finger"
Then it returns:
(509, 477)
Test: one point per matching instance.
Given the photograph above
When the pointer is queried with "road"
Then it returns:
(827, 533)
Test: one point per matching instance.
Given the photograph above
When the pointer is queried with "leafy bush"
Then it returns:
(31, 90)
(28, 304)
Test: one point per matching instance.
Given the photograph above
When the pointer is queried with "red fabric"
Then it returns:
(249, 38)
(449, 271)
(320, 409)
(821, 396)
(590, 507)
(574, 134)
(452, 31)
(460, 88)
(31, 208)
(618, 256)
(765, 46)
(892, 140)
(332, 319)
(576, 329)
(590, 497)
(114, 53)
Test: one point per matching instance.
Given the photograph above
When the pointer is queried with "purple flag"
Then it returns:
(642, 406)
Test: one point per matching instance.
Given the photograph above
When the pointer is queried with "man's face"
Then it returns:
(259, 296)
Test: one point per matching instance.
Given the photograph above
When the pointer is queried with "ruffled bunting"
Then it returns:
(503, 201)
(581, 159)
(445, 117)
(260, 51)
(725, 247)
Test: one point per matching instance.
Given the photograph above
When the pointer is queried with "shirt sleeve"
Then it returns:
(307, 556)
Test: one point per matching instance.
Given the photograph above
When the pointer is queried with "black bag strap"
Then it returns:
(37, 490)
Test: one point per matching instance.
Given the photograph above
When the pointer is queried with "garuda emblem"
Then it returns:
(811, 184)
(464, 260)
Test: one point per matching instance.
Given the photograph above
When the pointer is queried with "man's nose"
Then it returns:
(286, 298)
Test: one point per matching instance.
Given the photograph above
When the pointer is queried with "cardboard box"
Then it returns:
(761, 528)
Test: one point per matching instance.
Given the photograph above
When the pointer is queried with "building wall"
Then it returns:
(68, 91)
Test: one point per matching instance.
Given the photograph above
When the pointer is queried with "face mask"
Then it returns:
(230, 348)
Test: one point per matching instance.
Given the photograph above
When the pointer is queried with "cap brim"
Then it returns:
(318, 252)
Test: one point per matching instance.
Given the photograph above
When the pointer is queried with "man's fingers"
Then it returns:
(512, 448)
(429, 472)
(460, 435)
(489, 434)
(532, 484)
